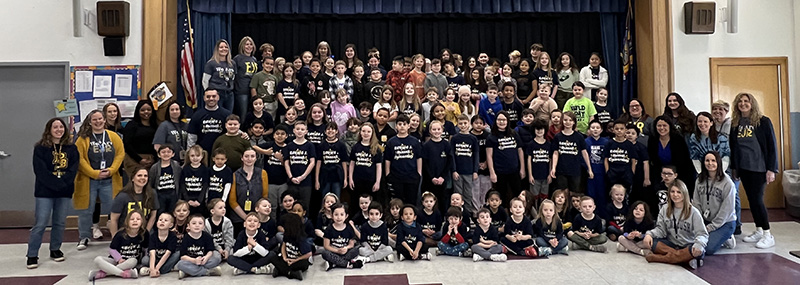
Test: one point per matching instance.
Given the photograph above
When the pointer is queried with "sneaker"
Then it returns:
(144, 271)
(216, 271)
(754, 237)
(499, 257)
(33, 262)
(564, 251)
(355, 264)
(181, 274)
(57, 255)
(401, 257)
(730, 243)
(597, 248)
(311, 260)
(237, 271)
(329, 266)
(296, 274)
(426, 256)
(467, 253)
(531, 251)
(476, 258)
(83, 244)
(266, 269)
(96, 274)
(363, 259)
(766, 241)
(389, 258)
(694, 263)
(621, 248)
(130, 274)
(545, 251)
(738, 230)
(96, 232)
(434, 251)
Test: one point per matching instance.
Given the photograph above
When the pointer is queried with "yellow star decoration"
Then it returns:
(61, 107)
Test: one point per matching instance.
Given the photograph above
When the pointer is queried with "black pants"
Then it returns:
(508, 185)
(573, 183)
(249, 261)
(401, 250)
(405, 189)
(283, 268)
(166, 201)
(754, 184)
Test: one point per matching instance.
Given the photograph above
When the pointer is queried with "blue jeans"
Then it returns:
(226, 100)
(97, 188)
(718, 237)
(47, 208)
(562, 243)
(241, 105)
(331, 187)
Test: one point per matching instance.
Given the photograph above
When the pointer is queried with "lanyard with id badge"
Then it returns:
(247, 203)
(102, 150)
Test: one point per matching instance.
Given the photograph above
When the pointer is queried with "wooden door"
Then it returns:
(768, 80)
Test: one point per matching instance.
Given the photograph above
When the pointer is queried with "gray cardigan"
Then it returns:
(155, 172)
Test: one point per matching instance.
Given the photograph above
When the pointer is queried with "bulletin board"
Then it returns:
(94, 86)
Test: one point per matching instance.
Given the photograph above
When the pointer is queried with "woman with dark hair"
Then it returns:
(138, 137)
(637, 116)
(351, 59)
(55, 164)
(172, 131)
(667, 147)
(754, 160)
(446, 56)
(675, 110)
(504, 157)
(476, 80)
(706, 138)
(715, 196)
(101, 154)
(567, 75)
(136, 196)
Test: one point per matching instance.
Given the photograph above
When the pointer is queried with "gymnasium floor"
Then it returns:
(743, 265)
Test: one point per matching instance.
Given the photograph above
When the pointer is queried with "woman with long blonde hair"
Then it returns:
(754, 160)
(219, 73)
(680, 234)
(246, 66)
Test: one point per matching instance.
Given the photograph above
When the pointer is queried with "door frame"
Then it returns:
(783, 140)
(26, 218)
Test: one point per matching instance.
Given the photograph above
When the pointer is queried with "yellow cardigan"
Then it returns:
(80, 198)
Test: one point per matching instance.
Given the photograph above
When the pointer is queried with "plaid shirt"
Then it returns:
(335, 84)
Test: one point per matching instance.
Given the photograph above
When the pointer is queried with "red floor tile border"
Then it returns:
(32, 280)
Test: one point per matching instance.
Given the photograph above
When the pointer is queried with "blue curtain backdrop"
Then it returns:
(211, 20)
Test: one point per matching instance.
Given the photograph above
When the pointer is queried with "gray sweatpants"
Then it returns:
(375, 255)
(463, 186)
(109, 266)
(275, 191)
(192, 269)
(486, 253)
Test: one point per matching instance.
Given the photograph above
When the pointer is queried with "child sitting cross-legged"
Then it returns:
(454, 235)
(587, 228)
(340, 242)
(375, 237)
(487, 240)
(250, 253)
(518, 237)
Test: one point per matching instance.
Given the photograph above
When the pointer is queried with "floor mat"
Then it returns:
(751, 268)
(32, 280)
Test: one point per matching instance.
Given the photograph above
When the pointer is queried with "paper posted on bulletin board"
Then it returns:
(95, 86)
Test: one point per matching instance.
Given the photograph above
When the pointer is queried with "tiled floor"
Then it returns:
(579, 267)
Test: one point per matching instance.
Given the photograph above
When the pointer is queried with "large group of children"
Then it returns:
(521, 135)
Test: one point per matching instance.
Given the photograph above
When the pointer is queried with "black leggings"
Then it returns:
(754, 184)
(508, 185)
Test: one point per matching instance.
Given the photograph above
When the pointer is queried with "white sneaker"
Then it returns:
(730, 243)
(96, 232)
(237, 271)
(389, 258)
(311, 259)
(363, 259)
(266, 269)
(401, 257)
(433, 251)
(499, 257)
(181, 274)
(426, 256)
(476, 258)
(621, 248)
(766, 241)
(216, 271)
(144, 271)
(754, 237)
(83, 244)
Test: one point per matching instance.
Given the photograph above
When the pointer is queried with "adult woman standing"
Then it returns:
(172, 131)
(754, 160)
(679, 115)
(667, 147)
(219, 73)
(246, 66)
(715, 198)
(137, 195)
(138, 138)
(637, 116)
(705, 138)
(55, 163)
(101, 154)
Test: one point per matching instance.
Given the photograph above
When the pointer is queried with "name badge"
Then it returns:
(102, 164)
(247, 205)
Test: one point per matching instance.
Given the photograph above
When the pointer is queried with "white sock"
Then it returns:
(766, 232)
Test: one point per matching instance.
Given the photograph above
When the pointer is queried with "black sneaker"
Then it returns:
(296, 274)
(57, 255)
(738, 230)
(33, 262)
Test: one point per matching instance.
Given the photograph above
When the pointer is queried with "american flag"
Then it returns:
(187, 62)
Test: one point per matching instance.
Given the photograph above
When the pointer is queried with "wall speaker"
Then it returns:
(699, 17)
(113, 18)
(114, 46)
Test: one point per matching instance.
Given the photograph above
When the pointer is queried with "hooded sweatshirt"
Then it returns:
(691, 231)
(715, 201)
